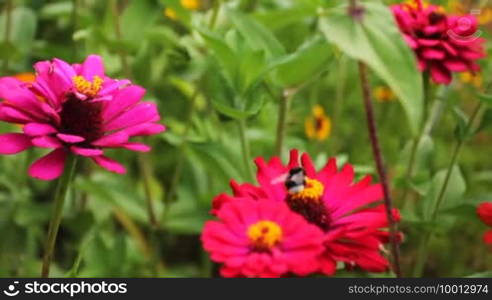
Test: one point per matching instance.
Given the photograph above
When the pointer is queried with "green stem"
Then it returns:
(8, 30)
(215, 14)
(75, 14)
(416, 141)
(182, 149)
(424, 246)
(283, 110)
(245, 148)
(60, 196)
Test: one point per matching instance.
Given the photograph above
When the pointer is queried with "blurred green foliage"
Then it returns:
(228, 61)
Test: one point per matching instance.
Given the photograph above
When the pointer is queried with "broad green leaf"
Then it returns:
(456, 188)
(258, 36)
(23, 28)
(485, 98)
(307, 61)
(376, 41)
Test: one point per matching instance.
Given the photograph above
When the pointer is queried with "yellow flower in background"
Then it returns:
(383, 94)
(473, 79)
(26, 77)
(485, 16)
(318, 124)
(190, 4)
(170, 13)
(456, 7)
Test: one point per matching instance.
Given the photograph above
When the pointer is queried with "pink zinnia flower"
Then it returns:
(484, 212)
(77, 109)
(442, 43)
(347, 212)
(262, 238)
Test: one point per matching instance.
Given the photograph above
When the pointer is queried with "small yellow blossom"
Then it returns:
(318, 124)
(170, 13)
(190, 4)
(383, 94)
(26, 77)
(456, 7)
(472, 79)
(485, 16)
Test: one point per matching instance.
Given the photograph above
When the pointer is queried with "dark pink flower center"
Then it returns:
(308, 203)
(82, 118)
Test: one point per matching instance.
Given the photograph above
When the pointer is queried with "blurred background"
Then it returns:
(166, 47)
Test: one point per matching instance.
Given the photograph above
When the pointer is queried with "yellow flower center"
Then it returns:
(86, 87)
(264, 235)
(313, 191)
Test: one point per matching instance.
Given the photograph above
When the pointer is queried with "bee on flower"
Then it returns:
(318, 125)
(260, 229)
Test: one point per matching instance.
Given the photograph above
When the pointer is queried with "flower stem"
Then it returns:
(245, 148)
(283, 110)
(75, 14)
(8, 30)
(416, 141)
(182, 149)
(424, 246)
(60, 196)
(371, 124)
(215, 13)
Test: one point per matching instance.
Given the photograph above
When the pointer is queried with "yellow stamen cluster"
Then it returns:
(383, 94)
(264, 234)
(86, 87)
(318, 125)
(313, 191)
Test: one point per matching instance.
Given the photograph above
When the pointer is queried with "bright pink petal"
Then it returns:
(145, 129)
(138, 147)
(109, 164)
(38, 129)
(12, 143)
(112, 140)
(86, 151)
(46, 142)
(50, 166)
(141, 113)
(92, 66)
(70, 138)
(123, 100)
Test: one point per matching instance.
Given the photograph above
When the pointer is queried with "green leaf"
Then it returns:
(23, 28)
(258, 36)
(485, 98)
(307, 61)
(376, 41)
(455, 190)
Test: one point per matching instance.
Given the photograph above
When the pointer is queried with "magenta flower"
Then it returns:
(78, 109)
(349, 213)
(262, 238)
(442, 43)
